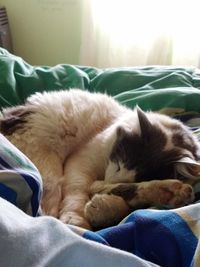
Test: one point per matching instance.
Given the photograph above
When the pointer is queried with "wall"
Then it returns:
(45, 32)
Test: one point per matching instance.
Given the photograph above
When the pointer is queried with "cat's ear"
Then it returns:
(145, 124)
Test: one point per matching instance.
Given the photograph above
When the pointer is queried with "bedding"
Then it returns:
(169, 89)
(145, 237)
(20, 181)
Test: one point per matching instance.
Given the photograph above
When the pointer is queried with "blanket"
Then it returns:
(46, 242)
(20, 181)
(166, 88)
(167, 238)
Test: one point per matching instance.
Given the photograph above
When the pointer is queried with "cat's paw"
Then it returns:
(174, 193)
(75, 219)
(105, 210)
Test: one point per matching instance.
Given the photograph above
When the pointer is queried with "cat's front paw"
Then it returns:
(105, 210)
(73, 218)
(174, 193)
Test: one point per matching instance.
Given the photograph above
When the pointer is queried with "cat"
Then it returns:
(99, 159)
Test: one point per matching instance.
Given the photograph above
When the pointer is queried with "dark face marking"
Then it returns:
(13, 119)
(145, 153)
(183, 138)
(126, 191)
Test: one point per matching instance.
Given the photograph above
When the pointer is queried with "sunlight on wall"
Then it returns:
(128, 20)
(49, 31)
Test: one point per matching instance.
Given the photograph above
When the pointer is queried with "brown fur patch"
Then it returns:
(13, 118)
(126, 191)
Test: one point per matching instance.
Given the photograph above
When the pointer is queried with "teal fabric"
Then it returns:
(152, 88)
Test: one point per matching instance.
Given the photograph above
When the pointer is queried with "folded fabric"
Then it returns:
(150, 87)
(167, 238)
(46, 242)
(20, 181)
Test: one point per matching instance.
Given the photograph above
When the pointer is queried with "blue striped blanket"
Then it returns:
(165, 237)
(20, 181)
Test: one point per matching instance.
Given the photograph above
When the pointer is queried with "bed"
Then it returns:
(148, 237)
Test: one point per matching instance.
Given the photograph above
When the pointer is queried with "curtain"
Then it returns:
(140, 32)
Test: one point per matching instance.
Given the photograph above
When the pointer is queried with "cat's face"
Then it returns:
(152, 153)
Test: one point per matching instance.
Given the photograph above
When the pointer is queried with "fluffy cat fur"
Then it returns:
(99, 159)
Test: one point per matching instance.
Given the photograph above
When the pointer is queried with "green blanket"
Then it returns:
(169, 89)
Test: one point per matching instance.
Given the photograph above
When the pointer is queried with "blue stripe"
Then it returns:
(8, 194)
(121, 236)
(35, 187)
(33, 184)
(176, 227)
(162, 237)
(5, 164)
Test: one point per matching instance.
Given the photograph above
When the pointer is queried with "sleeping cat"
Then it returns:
(99, 159)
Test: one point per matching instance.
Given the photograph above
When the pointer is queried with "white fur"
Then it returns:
(69, 137)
